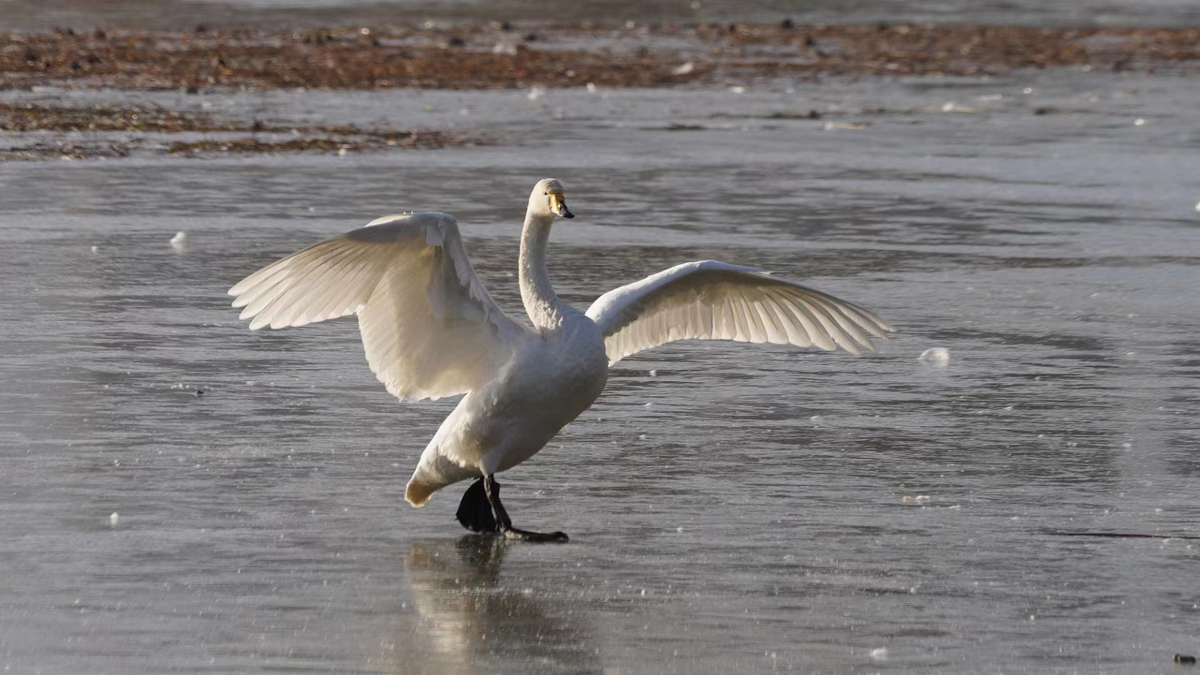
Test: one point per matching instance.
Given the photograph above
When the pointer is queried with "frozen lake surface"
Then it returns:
(747, 509)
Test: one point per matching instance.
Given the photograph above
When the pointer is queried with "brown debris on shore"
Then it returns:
(102, 131)
(328, 140)
(328, 59)
(953, 50)
(490, 57)
(26, 117)
(486, 57)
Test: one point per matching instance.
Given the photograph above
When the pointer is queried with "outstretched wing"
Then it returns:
(710, 300)
(428, 325)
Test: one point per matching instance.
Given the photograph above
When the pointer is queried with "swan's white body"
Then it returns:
(430, 329)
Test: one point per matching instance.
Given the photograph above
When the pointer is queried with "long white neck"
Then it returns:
(541, 303)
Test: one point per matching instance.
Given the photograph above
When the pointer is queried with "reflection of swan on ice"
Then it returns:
(466, 620)
(430, 329)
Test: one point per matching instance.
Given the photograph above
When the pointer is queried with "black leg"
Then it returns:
(504, 523)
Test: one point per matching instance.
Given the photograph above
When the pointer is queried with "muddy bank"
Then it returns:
(485, 57)
(48, 131)
(498, 56)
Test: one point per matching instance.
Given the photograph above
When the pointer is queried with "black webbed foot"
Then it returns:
(475, 511)
(481, 511)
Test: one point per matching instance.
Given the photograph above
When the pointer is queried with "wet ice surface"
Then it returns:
(747, 509)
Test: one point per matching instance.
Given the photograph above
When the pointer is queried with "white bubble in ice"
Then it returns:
(938, 355)
(114, 519)
(878, 654)
(179, 240)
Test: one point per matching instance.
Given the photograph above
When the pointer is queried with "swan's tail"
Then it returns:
(433, 473)
(417, 493)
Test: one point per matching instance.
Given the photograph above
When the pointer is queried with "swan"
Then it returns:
(430, 329)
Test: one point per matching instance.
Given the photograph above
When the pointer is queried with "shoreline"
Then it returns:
(499, 56)
(482, 56)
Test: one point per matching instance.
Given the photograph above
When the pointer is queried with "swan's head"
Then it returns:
(548, 199)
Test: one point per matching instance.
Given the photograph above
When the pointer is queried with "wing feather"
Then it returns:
(741, 317)
(429, 327)
(796, 335)
(811, 324)
(828, 325)
(775, 333)
(710, 300)
(333, 301)
(846, 324)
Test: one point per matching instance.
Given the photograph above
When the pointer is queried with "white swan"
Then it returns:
(430, 329)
